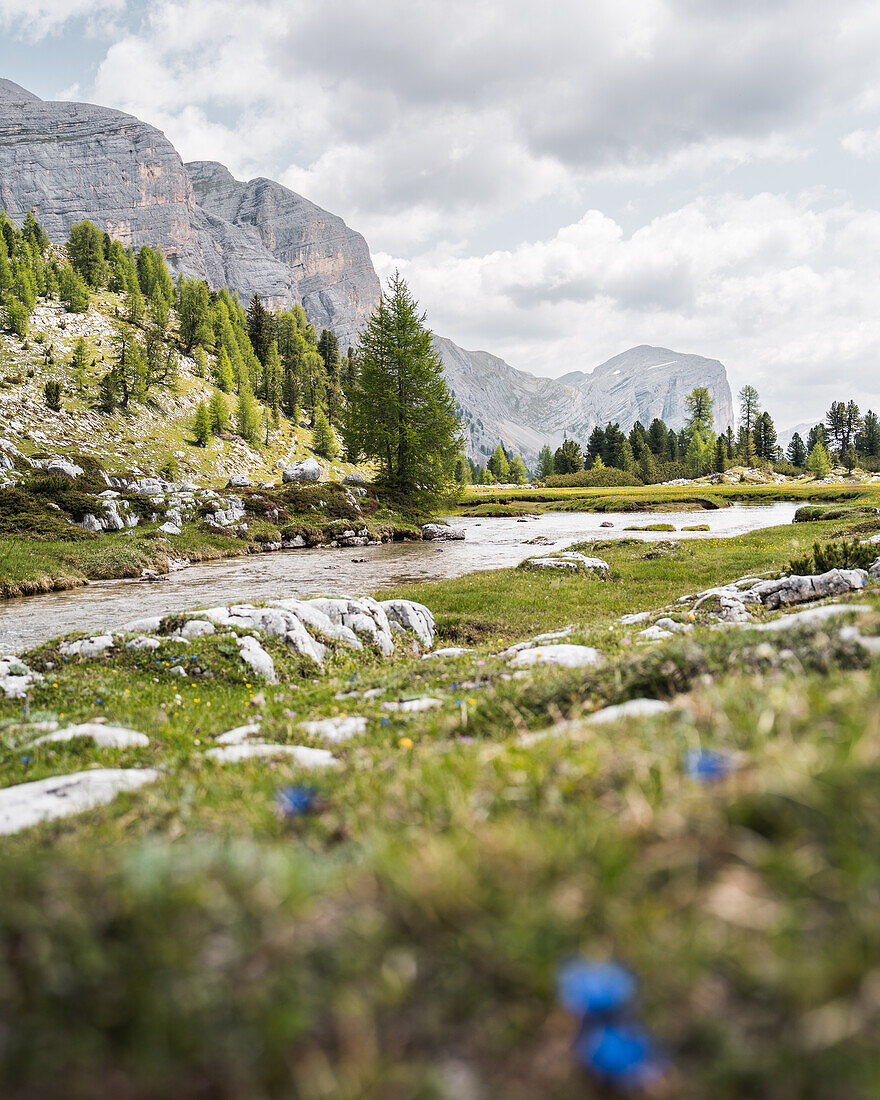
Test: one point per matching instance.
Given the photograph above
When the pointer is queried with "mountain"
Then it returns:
(70, 161)
(525, 412)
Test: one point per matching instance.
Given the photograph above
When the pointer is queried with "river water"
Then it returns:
(489, 544)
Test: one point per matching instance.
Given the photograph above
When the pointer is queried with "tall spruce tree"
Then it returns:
(546, 466)
(408, 414)
(797, 452)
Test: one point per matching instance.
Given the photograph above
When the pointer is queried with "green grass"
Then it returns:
(186, 940)
(658, 498)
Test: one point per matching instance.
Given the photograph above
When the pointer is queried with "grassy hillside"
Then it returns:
(146, 437)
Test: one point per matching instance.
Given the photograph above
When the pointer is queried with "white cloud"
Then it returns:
(34, 19)
(783, 292)
(864, 144)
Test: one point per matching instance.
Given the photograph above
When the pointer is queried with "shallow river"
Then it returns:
(489, 544)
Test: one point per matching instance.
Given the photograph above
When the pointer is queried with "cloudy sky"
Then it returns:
(558, 182)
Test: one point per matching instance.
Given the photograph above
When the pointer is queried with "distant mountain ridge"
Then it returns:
(71, 161)
(525, 412)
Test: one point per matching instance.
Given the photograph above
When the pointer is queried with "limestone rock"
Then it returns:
(304, 470)
(632, 708)
(441, 531)
(500, 402)
(65, 469)
(239, 735)
(411, 616)
(28, 804)
(301, 754)
(253, 654)
(569, 561)
(88, 648)
(787, 591)
(336, 729)
(105, 737)
(566, 656)
(16, 677)
(70, 161)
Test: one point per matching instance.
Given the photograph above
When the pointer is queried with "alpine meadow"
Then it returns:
(382, 719)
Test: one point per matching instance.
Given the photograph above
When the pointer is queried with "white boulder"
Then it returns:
(304, 470)
(28, 804)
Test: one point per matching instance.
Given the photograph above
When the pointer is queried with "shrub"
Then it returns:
(834, 555)
(52, 394)
(603, 477)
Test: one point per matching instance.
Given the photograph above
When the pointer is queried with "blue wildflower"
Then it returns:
(385, 721)
(295, 801)
(27, 760)
(706, 765)
(622, 1055)
(592, 988)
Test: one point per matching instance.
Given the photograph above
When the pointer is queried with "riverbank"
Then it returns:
(265, 520)
(401, 937)
(522, 500)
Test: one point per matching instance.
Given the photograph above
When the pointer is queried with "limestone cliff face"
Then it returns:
(69, 161)
(327, 264)
(525, 412)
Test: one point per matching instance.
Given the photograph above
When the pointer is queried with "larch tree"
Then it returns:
(407, 412)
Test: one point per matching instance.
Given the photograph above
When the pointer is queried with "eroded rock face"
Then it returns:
(326, 266)
(70, 161)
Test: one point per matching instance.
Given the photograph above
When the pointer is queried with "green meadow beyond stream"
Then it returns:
(488, 544)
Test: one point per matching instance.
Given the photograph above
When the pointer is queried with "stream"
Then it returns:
(489, 544)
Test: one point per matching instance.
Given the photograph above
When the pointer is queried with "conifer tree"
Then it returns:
(202, 425)
(407, 412)
(323, 440)
(647, 466)
(546, 468)
(498, 464)
(16, 316)
(79, 363)
(223, 372)
(248, 416)
(598, 464)
(86, 250)
(259, 328)
(219, 411)
(73, 290)
(52, 394)
(719, 463)
(518, 474)
(568, 458)
(819, 460)
(797, 452)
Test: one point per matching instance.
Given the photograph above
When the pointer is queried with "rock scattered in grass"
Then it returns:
(413, 706)
(28, 804)
(16, 677)
(253, 654)
(300, 754)
(239, 735)
(566, 656)
(337, 729)
(632, 708)
(105, 737)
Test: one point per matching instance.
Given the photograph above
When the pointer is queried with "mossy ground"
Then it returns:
(401, 941)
